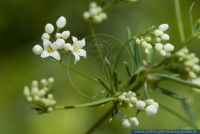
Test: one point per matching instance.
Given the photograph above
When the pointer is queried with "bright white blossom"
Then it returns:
(49, 28)
(39, 94)
(76, 48)
(95, 13)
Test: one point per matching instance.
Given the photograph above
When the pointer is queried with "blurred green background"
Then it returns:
(21, 25)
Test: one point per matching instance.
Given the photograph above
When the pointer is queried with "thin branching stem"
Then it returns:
(179, 20)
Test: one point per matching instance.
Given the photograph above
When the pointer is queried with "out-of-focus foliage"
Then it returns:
(21, 24)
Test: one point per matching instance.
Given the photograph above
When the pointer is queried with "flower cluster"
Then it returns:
(40, 95)
(52, 48)
(157, 39)
(128, 121)
(186, 64)
(129, 99)
(95, 13)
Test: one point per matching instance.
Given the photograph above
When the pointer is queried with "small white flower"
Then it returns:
(76, 48)
(86, 15)
(163, 27)
(50, 50)
(37, 50)
(158, 32)
(59, 43)
(65, 34)
(163, 53)
(61, 22)
(168, 47)
(49, 28)
(165, 37)
(140, 104)
(138, 41)
(158, 46)
(149, 101)
(134, 121)
(58, 35)
(157, 39)
(126, 123)
(45, 36)
(151, 110)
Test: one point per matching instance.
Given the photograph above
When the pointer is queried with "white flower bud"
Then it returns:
(157, 39)
(61, 22)
(51, 80)
(49, 28)
(34, 83)
(93, 11)
(126, 123)
(168, 47)
(121, 98)
(26, 91)
(103, 16)
(29, 99)
(163, 27)
(156, 104)
(97, 19)
(158, 32)
(65, 34)
(140, 104)
(148, 39)
(36, 98)
(58, 35)
(50, 109)
(163, 53)
(134, 121)
(43, 82)
(86, 15)
(196, 68)
(37, 50)
(149, 101)
(158, 46)
(151, 110)
(93, 5)
(42, 92)
(165, 37)
(146, 51)
(138, 41)
(45, 36)
(50, 96)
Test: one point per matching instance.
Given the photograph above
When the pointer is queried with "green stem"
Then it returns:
(80, 73)
(191, 18)
(91, 104)
(179, 20)
(101, 120)
(101, 56)
(178, 80)
(177, 115)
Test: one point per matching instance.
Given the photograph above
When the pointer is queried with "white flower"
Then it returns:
(158, 46)
(134, 121)
(45, 36)
(86, 15)
(37, 50)
(140, 104)
(151, 110)
(163, 53)
(163, 27)
(168, 47)
(50, 50)
(76, 48)
(58, 35)
(61, 22)
(126, 123)
(158, 32)
(49, 28)
(165, 37)
(65, 34)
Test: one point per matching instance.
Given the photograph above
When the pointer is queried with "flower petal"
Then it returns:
(81, 43)
(46, 44)
(77, 58)
(74, 39)
(68, 47)
(45, 54)
(55, 55)
(82, 52)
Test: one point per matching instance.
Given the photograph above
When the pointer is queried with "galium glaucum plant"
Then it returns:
(177, 65)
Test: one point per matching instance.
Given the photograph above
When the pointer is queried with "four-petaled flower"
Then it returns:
(50, 49)
(76, 48)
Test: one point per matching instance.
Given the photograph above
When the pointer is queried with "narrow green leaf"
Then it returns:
(116, 81)
(103, 83)
(191, 17)
(127, 68)
(137, 56)
(171, 94)
(189, 111)
(146, 92)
